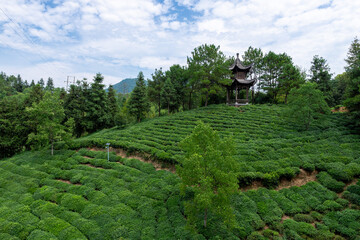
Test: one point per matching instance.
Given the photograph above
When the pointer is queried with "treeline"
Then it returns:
(89, 107)
(36, 115)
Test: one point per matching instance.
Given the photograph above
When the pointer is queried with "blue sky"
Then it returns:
(120, 38)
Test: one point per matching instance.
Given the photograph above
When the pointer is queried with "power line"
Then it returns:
(26, 40)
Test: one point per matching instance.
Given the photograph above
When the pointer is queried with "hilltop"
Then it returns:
(79, 194)
(125, 86)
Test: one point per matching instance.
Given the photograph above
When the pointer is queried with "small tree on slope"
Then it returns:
(209, 171)
(306, 103)
(138, 102)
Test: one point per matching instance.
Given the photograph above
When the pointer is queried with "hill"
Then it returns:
(79, 194)
(125, 86)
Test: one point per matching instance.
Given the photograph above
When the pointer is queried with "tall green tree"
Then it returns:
(41, 83)
(254, 56)
(210, 69)
(209, 171)
(48, 114)
(305, 104)
(50, 84)
(98, 114)
(138, 104)
(168, 94)
(154, 87)
(289, 78)
(179, 79)
(76, 106)
(272, 68)
(320, 74)
(113, 107)
(352, 101)
(13, 124)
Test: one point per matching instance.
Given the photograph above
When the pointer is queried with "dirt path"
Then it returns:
(68, 182)
(299, 180)
(122, 153)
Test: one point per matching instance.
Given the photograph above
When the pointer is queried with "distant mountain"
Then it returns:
(125, 86)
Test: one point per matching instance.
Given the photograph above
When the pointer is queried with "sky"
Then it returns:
(118, 38)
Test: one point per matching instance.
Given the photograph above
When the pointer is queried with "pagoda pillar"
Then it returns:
(247, 95)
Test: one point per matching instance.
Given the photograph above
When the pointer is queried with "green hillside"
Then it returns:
(268, 146)
(125, 86)
(79, 194)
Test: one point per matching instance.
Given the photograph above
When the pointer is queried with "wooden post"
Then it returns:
(247, 95)
(236, 94)
(227, 96)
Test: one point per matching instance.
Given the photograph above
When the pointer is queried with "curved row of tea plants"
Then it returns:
(268, 147)
(81, 195)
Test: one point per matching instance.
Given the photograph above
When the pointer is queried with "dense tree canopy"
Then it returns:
(209, 69)
(306, 103)
(209, 171)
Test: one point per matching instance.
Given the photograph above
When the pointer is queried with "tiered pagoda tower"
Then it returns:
(243, 77)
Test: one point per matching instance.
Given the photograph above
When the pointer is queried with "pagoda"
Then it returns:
(243, 77)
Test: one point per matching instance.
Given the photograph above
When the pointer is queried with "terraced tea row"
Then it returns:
(81, 195)
(267, 145)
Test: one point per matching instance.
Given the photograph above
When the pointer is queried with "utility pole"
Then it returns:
(69, 79)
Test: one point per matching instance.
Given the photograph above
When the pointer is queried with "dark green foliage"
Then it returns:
(325, 179)
(168, 95)
(352, 91)
(155, 87)
(320, 74)
(138, 102)
(209, 70)
(306, 104)
(113, 108)
(98, 115)
(303, 218)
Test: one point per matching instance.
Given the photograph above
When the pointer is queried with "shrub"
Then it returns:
(41, 235)
(330, 183)
(352, 197)
(354, 189)
(270, 180)
(71, 233)
(73, 202)
(300, 227)
(316, 216)
(309, 167)
(255, 236)
(268, 233)
(303, 218)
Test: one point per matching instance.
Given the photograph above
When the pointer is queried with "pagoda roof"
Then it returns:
(244, 81)
(237, 63)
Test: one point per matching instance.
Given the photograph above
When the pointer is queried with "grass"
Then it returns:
(78, 194)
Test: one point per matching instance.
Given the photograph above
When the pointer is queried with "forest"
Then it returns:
(182, 164)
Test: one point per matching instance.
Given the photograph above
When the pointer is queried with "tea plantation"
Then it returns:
(79, 194)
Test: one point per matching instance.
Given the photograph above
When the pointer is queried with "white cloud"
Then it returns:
(111, 36)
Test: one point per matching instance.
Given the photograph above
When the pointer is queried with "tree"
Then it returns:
(168, 93)
(138, 103)
(113, 107)
(48, 114)
(154, 87)
(41, 83)
(254, 56)
(98, 117)
(179, 79)
(306, 103)
(352, 101)
(76, 106)
(50, 84)
(289, 78)
(320, 74)
(209, 171)
(272, 67)
(209, 68)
